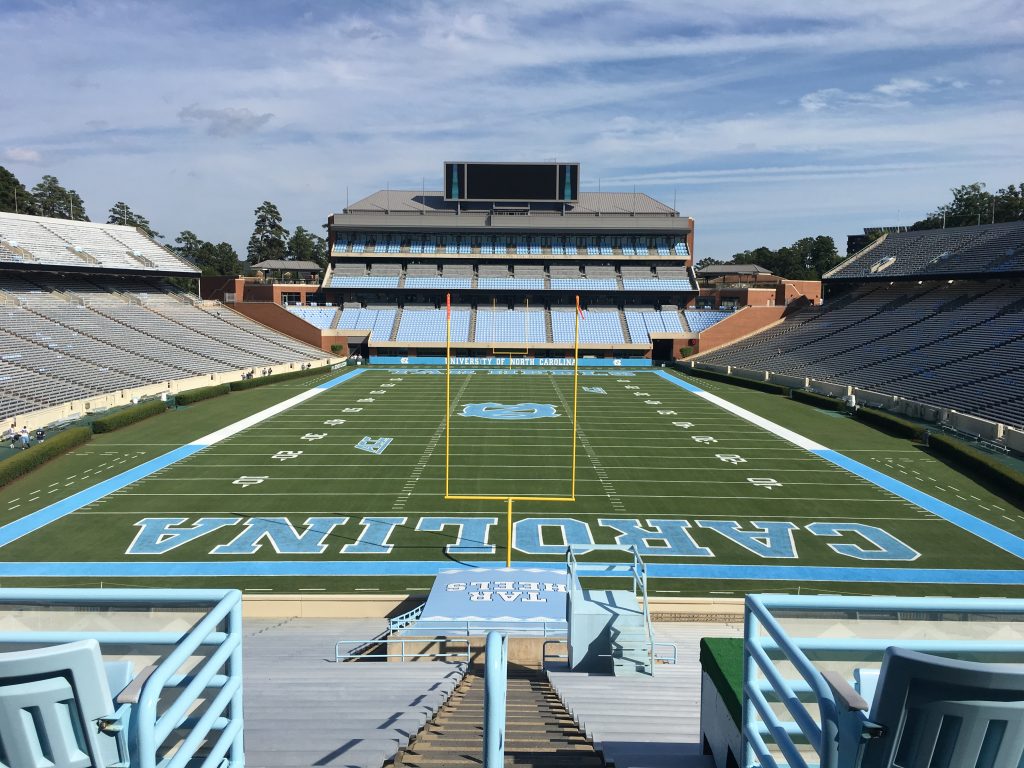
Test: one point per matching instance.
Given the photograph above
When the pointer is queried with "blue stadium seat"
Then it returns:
(438, 282)
(430, 325)
(510, 326)
(321, 317)
(510, 283)
(582, 284)
(702, 319)
(363, 282)
(595, 327)
(656, 285)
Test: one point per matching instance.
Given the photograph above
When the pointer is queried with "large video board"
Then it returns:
(512, 182)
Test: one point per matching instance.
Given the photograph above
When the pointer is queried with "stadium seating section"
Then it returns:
(33, 240)
(518, 245)
(499, 277)
(65, 338)
(603, 325)
(929, 253)
(957, 345)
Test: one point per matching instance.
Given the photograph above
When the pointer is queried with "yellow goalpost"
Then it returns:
(509, 499)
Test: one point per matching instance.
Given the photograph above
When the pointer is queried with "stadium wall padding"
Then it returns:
(739, 325)
(972, 425)
(75, 409)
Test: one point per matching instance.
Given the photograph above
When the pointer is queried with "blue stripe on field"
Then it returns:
(990, 533)
(43, 517)
(968, 522)
(432, 568)
(34, 521)
(340, 379)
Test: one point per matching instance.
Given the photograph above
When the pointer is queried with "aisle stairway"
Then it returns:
(539, 732)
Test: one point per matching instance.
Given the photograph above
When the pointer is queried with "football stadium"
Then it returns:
(596, 506)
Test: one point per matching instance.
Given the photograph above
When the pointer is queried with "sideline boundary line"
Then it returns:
(33, 521)
(707, 571)
(963, 520)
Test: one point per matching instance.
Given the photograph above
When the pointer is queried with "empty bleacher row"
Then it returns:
(34, 240)
(927, 253)
(598, 325)
(956, 345)
(64, 339)
(519, 245)
(528, 277)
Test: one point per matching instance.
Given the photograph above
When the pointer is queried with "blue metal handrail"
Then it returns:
(472, 628)
(216, 678)
(766, 643)
(637, 569)
(495, 693)
(404, 620)
(402, 654)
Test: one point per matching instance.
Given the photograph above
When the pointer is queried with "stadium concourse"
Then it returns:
(631, 564)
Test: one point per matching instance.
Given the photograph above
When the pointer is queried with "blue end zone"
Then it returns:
(43, 517)
(432, 568)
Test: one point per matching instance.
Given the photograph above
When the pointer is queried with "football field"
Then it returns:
(341, 487)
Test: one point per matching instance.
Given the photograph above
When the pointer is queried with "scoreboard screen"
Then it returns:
(520, 182)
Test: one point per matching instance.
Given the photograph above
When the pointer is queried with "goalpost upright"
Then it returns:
(508, 498)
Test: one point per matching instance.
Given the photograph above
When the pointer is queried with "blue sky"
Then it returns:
(766, 122)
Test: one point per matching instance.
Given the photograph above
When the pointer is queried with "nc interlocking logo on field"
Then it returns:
(517, 412)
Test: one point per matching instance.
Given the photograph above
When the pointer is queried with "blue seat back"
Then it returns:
(50, 699)
(946, 713)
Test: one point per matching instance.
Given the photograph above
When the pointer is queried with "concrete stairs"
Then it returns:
(539, 732)
(608, 634)
(638, 721)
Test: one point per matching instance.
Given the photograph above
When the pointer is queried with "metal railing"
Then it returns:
(203, 663)
(637, 569)
(403, 653)
(495, 694)
(471, 628)
(769, 653)
(406, 619)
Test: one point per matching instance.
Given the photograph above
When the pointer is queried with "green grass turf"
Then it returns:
(631, 464)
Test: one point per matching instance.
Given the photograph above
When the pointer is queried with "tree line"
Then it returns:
(269, 240)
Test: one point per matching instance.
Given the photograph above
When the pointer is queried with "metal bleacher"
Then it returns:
(66, 338)
(511, 326)
(957, 345)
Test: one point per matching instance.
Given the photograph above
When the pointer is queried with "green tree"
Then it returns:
(14, 197)
(219, 259)
(971, 204)
(120, 213)
(707, 261)
(806, 259)
(52, 199)
(303, 245)
(1009, 204)
(269, 238)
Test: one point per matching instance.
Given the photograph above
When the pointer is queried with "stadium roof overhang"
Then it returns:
(481, 223)
(93, 269)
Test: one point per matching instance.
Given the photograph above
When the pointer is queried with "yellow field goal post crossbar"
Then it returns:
(447, 431)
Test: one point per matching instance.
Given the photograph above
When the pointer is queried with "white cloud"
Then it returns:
(903, 86)
(229, 121)
(22, 155)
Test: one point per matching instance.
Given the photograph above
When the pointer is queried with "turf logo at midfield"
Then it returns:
(517, 412)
